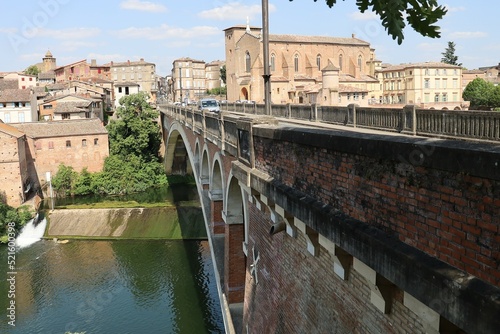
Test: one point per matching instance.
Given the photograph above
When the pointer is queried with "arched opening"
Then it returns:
(235, 259)
(457, 108)
(247, 62)
(244, 93)
(176, 160)
(204, 171)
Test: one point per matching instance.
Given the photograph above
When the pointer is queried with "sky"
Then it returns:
(161, 31)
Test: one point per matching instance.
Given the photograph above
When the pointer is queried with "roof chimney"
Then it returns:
(128, 62)
(111, 63)
(353, 35)
(142, 59)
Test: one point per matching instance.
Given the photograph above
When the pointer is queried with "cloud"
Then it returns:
(454, 9)
(32, 56)
(145, 6)
(69, 34)
(234, 11)
(430, 47)
(71, 45)
(164, 32)
(366, 16)
(467, 34)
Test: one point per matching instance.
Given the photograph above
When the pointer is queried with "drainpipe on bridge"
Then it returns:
(265, 42)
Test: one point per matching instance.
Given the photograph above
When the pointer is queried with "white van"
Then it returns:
(209, 104)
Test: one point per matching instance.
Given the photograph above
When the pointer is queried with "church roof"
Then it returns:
(317, 40)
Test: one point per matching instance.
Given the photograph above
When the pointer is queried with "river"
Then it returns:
(110, 286)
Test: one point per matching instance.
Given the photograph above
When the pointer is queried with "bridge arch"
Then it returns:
(205, 167)
(177, 157)
(217, 178)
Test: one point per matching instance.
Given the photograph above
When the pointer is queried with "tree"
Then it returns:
(449, 55)
(421, 15)
(32, 70)
(481, 94)
(136, 130)
(223, 74)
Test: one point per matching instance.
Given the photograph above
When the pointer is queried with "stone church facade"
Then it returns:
(304, 69)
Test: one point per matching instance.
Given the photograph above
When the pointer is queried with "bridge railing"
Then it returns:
(476, 125)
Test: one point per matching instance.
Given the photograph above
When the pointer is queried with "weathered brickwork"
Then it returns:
(452, 216)
(300, 293)
(234, 264)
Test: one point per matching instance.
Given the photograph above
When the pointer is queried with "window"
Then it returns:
(360, 61)
(20, 117)
(427, 97)
(16, 104)
(23, 87)
(96, 141)
(6, 118)
(436, 98)
(437, 83)
(98, 71)
(65, 116)
(445, 98)
(84, 142)
(444, 72)
(247, 62)
(445, 83)
(341, 58)
(87, 114)
(427, 71)
(115, 76)
(51, 145)
(455, 83)
(22, 79)
(127, 90)
(273, 64)
(296, 63)
(132, 77)
(47, 106)
(68, 143)
(437, 71)
(355, 96)
(426, 83)
(38, 145)
(119, 89)
(455, 97)
(318, 62)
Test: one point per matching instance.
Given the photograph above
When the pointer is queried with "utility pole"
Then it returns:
(180, 80)
(265, 42)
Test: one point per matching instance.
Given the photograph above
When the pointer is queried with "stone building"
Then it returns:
(297, 64)
(212, 74)
(25, 81)
(76, 143)
(140, 72)
(432, 85)
(70, 107)
(189, 79)
(14, 178)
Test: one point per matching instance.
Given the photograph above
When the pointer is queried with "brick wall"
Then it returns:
(51, 152)
(450, 215)
(11, 161)
(300, 293)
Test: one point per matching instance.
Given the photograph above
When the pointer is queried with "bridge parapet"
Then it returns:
(416, 220)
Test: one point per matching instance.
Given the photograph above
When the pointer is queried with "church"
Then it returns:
(324, 70)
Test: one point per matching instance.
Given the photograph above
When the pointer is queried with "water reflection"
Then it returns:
(114, 287)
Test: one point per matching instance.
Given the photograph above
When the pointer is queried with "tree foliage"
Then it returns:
(482, 94)
(133, 164)
(223, 74)
(8, 214)
(136, 130)
(421, 15)
(449, 55)
(32, 70)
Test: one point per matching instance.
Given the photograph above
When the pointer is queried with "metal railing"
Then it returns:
(473, 125)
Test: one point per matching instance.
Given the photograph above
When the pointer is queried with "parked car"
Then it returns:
(209, 104)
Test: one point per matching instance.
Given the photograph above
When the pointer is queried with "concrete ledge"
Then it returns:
(466, 301)
(473, 158)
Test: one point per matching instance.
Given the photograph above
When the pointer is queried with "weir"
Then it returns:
(32, 232)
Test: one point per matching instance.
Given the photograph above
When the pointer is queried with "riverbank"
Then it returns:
(126, 223)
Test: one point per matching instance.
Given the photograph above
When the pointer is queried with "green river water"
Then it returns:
(110, 286)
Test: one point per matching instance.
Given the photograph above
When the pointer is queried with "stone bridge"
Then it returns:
(319, 228)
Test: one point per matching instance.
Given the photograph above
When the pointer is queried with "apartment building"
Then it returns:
(297, 64)
(24, 81)
(431, 85)
(212, 74)
(17, 106)
(189, 79)
(70, 107)
(140, 72)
